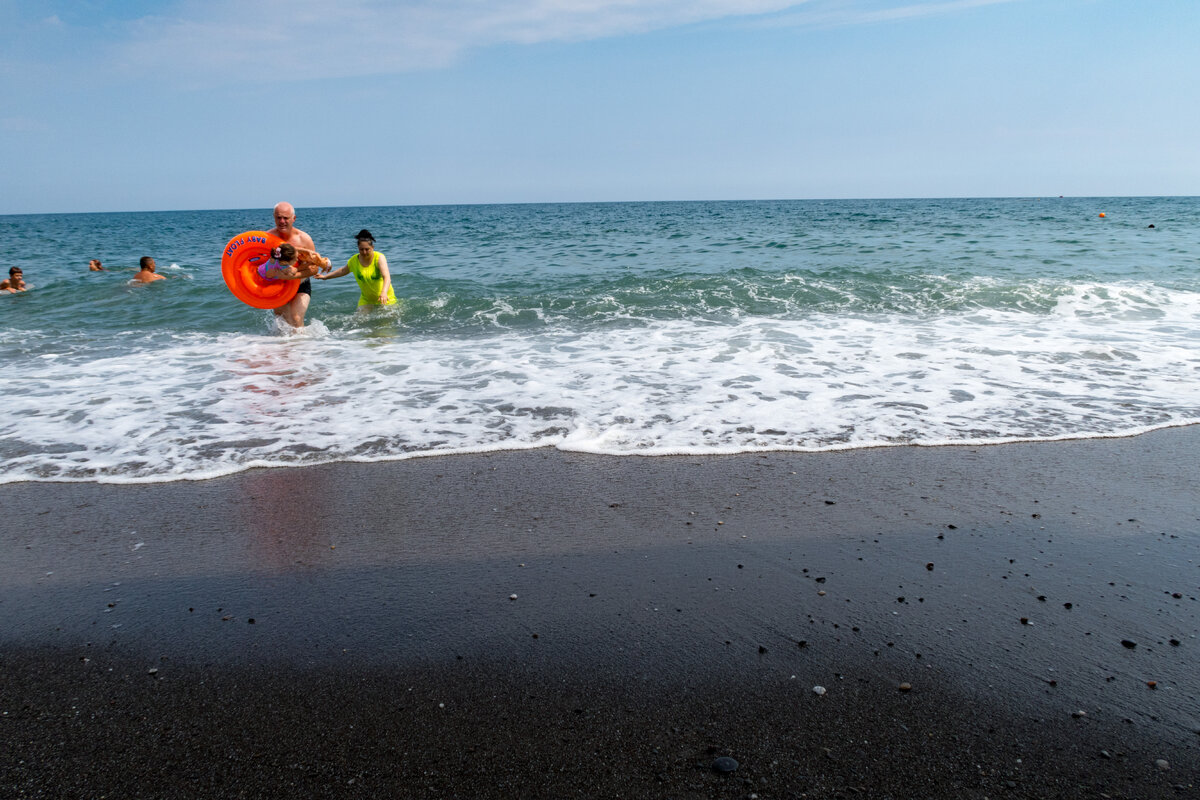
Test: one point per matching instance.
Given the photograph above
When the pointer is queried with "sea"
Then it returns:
(629, 329)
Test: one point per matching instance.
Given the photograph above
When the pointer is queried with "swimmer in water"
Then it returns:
(146, 273)
(15, 282)
(370, 269)
(285, 228)
(95, 266)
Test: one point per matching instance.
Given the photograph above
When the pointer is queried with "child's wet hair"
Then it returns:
(285, 252)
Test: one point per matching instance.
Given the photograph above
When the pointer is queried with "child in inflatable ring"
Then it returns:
(289, 263)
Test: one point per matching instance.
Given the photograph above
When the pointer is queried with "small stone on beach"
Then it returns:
(818, 690)
(724, 764)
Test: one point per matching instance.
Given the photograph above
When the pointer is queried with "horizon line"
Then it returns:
(897, 198)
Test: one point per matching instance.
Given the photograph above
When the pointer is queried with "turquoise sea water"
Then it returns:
(627, 328)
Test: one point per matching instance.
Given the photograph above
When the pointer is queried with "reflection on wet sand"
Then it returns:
(286, 516)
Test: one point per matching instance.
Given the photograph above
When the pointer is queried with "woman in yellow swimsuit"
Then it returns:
(370, 269)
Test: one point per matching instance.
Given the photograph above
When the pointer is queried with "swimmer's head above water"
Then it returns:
(15, 282)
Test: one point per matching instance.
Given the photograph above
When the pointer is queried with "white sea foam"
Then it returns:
(1110, 359)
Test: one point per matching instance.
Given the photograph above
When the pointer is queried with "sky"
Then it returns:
(141, 105)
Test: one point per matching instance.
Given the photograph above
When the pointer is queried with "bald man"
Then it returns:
(285, 228)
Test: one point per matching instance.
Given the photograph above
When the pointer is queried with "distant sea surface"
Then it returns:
(628, 328)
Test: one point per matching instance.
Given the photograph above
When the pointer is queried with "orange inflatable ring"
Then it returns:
(239, 266)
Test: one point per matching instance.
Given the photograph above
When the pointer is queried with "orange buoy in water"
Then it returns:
(1102, 215)
(244, 254)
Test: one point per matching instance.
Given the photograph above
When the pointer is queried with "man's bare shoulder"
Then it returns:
(297, 238)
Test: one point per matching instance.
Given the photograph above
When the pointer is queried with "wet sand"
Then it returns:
(1004, 622)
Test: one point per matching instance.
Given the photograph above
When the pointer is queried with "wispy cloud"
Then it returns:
(272, 40)
(317, 39)
(842, 13)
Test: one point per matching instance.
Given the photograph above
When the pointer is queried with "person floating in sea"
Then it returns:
(370, 269)
(95, 266)
(146, 273)
(285, 228)
(15, 282)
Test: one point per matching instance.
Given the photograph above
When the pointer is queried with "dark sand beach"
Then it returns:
(1014, 621)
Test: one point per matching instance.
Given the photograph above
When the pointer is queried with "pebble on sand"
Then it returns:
(724, 764)
(818, 690)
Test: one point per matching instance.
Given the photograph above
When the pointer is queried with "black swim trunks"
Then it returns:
(305, 287)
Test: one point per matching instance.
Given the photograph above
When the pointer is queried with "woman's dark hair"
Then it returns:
(285, 252)
(364, 236)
